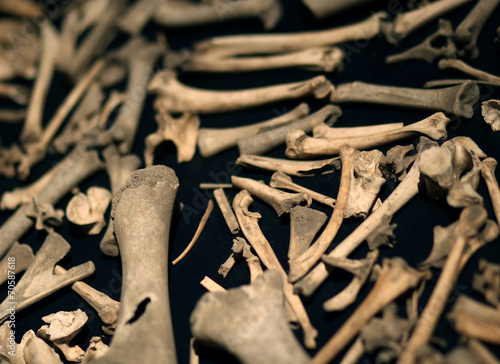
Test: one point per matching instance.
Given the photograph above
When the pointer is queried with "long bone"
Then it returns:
(212, 141)
(267, 140)
(395, 278)
(76, 167)
(458, 100)
(324, 131)
(39, 280)
(144, 329)
(324, 8)
(21, 255)
(250, 228)
(488, 172)
(300, 146)
(249, 322)
(459, 65)
(16, 93)
(173, 96)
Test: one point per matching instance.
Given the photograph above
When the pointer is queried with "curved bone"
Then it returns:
(324, 8)
(39, 280)
(304, 225)
(23, 257)
(144, 329)
(249, 322)
(37, 351)
(250, 228)
(87, 210)
(282, 181)
(173, 96)
(488, 171)
(490, 110)
(458, 100)
(212, 141)
(324, 131)
(459, 65)
(300, 146)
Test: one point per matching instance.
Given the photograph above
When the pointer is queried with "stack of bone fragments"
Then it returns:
(308, 270)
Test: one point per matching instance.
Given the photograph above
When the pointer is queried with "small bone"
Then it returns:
(45, 215)
(471, 72)
(304, 225)
(395, 278)
(302, 264)
(214, 186)
(488, 282)
(95, 350)
(467, 32)
(211, 286)
(458, 100)
(267, 140)
(406, 23)
(481, 352)
(242, 250)
(396, 162)
(17, 260)
(144, 330)
(87, 210)
(324, 8)
(249, 322)
(300, 146)
(37, 351)
(282, 181)
(324, 131)
(250, 228)
(182, 131)
(9, 157)
(106, 307)
(16, 93)
(24, 8)
(63, 327)
(213, 141)
(280, 201)
(490, 110)
(383, 234)
(227, 211)
(173, 96)
(488, 172)
(39, 281)
(361, 270)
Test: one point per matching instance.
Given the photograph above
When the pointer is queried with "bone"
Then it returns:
(302, 264)
(17, 260)
(280, 201)
(211, 286)
(87, 210)
(490, 110)
(482, 352)
(214, 186)
(459, 65)
(95, 350)
(137, 15)
(249, 226)
(406, 23)
(217, 320)
(323, 8)
(360, 269)
(300, 146)
(39, 280)
(396, 162)
(242, 250)
(62, 327)
(12, 116)
(395, 278)
(193, 356)
(226, 210)
(304, 225)
(16, 93)
(46, 217)
(10, 351)
(324, 131)
(282, 181)
(182, 131)
(24, 8)
(9, 157)
(488, 282)
(290, 167)
(144, 330)
(458, 100)
(319, 59)
(76, 167)
(267, 140)
(497, 39)
(37, 351)
(467, 32)
(213, 141)
(471, 221)
(173, 96)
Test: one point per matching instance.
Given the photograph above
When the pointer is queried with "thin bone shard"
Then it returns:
(226, 210)
(459, 65)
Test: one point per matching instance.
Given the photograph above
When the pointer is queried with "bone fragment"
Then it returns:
(226, 210)
(214, 186)
(242, 250)
(12, 116)
(211, 286)
(488, 282)
(490, 110)
(459, 65)
(24, 8)
(95, 350)
(396, 162)
(282, 181)
(17, 260)
(10, 351)
(304, 225)
(324, 131)
(324, 8)
(37, 351)
(87, 210)
(45, 215)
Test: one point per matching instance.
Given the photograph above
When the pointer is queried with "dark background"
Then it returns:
(365, 62)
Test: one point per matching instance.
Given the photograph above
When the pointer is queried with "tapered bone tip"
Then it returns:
(271, 15)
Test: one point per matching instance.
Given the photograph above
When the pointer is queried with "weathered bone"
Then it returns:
(37, 351)
(324, 131)
(17, 260)
(211, 286)
(250, 228)
(87, 210)
(95, 350)
(242, 250)
(46, 217)
(481, 351)
(395, 278)
(396, 162)
(324, 8)
(173, 96)
(10, 351)
(267, 140)
(488, 282)
(24, 8)
(300, 146)
(304, 225)
(212, 141)
(9, 157)
(226, 210)
(490, 110)
(459, 65)
(280, 201)
(474, 352)
(144, 330)
(249, 322)
(39, 280)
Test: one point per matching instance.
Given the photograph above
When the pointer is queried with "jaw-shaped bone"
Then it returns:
(250, 228)
(300, 146)
(280, 201)
(304, 225)
(264, 142)
(290, 167)
(324, 131)
(39, 280)
(458, 100)
(491, 113)
(488, 172)
(144, 330)
(226, 210)
(87, 210)
(62, 327)
(360, 269)
(37, 351)
(249, 322)
(173, 96)
(213, 141)
(95, 350)
(284, 182)
(21, 254)
(488, 282)
(45, 215)
(396, 162)
(395, 278)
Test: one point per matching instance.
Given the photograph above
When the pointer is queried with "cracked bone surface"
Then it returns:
(488, 172)
(301, 146)
(490, 110)
(144, 329)
(395, 278)
(174, 96)
(212, 141)
(39, 280)
(87, 210)
(249, 224)
(457, 100)
(249, 322)
(21, 254)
